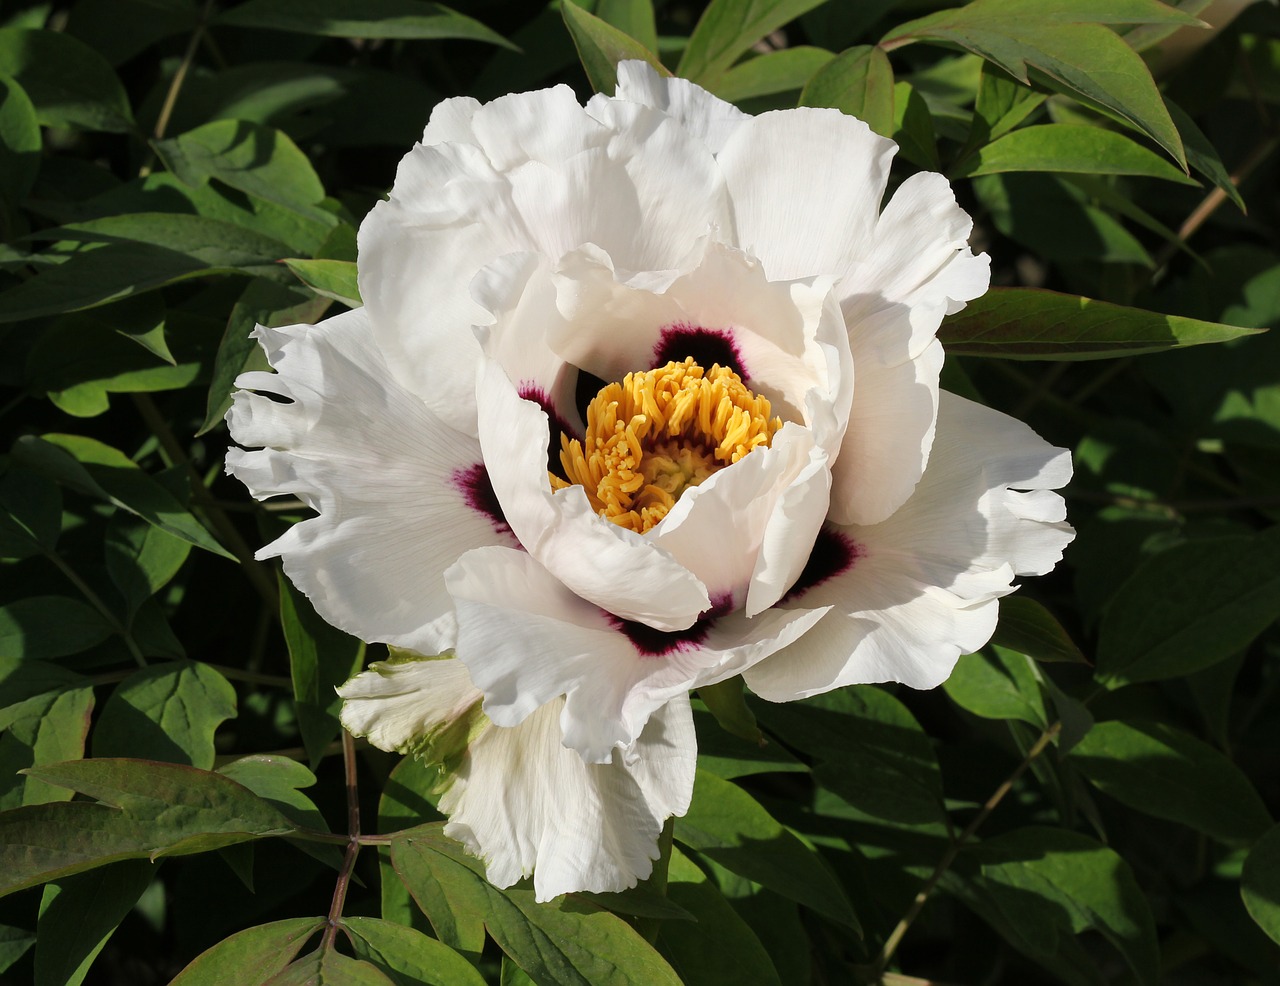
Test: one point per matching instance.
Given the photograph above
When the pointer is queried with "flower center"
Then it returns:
(656, 434)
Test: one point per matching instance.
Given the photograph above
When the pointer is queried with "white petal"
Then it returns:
(450, 121)
(393, 485)
(917, 268)
(779, 335)
(404, 706)
(718, 529)
(617, 569)
(805, 186)
(707, 117)
(889, 435)
(526, 639)
(913, 593)
(526, 804)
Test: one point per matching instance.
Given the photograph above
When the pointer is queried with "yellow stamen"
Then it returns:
(657, 433)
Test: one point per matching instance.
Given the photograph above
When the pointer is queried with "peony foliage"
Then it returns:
(639, 493)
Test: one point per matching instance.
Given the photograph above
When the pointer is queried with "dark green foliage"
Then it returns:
(1091, 799)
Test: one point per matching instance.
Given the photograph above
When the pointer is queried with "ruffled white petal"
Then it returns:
(621, 571)
(889, 435)
(707, 117)
(916, 268)
(405, 706)
(388, 479)
(524, 803)
(805, 186)
(913, 593)
(526, 640)
(517, 797)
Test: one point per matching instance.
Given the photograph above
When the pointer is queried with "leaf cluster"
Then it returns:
(1091, 799)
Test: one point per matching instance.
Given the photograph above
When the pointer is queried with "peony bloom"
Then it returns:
(643, 395)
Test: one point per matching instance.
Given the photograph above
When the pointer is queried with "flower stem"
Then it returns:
(949, 857)
(353, 843)
(96, 602)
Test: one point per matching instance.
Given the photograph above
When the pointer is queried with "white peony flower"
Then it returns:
(644, 395)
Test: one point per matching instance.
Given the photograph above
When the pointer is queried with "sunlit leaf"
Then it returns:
(859, 82)
(1031, 323)
(250, 957)
(727, 28)
(601, 46)
(166, 712)
(79, 913)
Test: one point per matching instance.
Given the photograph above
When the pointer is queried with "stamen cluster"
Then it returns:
(659, 432)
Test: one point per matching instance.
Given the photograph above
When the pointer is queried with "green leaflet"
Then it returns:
(1031, 323)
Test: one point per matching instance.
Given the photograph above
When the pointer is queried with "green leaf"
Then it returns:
(119, 256)
(1002, 103)
(97, 470)
(258, 160)
(141, 558)
(1189, 607)
(30, 513)
(407, 19)
(159, 810)
(408, 957)
(601, 46)
(320, 659)
(1031, 323)
(70, 84)
(632, 17)
(567, 942)
(736, 959)
(727, 702)
(266, 303)
(1202, 156)
(1066, 44)
(14, 944)
(44, 717)
(1027, 627)
(859, 82)
(784, 70)
(333, 279)
(277, 779)
(735, 830)
(1000, 684)
(325, 967)
(1260, 883)
(1073, 884)
(727, 28)
(250, 957)
(1073, 148)
(1161, 771)
(20, 143)
(722, 753)
(871, 752)
(166, 712)
(79, 913)
(49, 627)
(913, 127)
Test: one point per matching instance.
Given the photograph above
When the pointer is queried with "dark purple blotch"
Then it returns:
(660, 643)
(557, 426)
(832, 554)
(706, 346)
(477, 490)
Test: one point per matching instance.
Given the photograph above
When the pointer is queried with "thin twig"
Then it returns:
(175, 84)
(96, 602)
(949, 857)
(353, 843)
(1210, 203)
